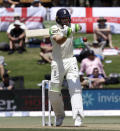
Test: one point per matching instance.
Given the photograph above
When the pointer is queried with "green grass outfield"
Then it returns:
(26, 64)
(34, 124)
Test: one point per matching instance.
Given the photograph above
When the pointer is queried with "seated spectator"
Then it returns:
(97, 80)
(83, 44)
(85, 81)
(12, 3)
(6, 83)
(37, 3)
(102, 32)
(89, 63)
(2, 70)
(6, 4)
(46, 52)
(84, 3)
(17, 38)
(11, 26)
(79, 43)
(97, 48)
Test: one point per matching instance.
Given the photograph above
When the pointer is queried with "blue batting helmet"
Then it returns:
(63, 17)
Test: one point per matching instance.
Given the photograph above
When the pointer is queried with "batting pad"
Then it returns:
(75, 91)
(57, 103)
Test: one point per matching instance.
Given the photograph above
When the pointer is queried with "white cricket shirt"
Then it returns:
(63, 51)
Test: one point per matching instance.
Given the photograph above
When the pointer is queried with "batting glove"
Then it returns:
(67, 31)
(76, 28)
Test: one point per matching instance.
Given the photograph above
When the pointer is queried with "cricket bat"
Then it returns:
(37, 32)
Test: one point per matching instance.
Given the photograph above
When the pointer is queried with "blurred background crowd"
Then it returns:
(61, 3)
(101, 38)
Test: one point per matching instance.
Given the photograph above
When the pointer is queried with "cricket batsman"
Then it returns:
(65, 65)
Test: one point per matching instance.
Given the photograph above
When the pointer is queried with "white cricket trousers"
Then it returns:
(66, 68)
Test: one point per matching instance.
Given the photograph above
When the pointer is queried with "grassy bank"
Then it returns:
(26, 64)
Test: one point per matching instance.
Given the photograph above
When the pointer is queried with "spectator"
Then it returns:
(11, 3)
(6, 83)
(97, 80)
(11, 26)
(96, 3)
(37, 3)
(6, 4)
(116, 3)
(2, 70)
(91, 2)
(17, 38)
(107, 3)
(84, 52)
(84, 3)
(55, 3)
(85, 81)
(46, 52)
(89, 63)
(64, 3)
(97, 48)
(14, 3)
(49, 3)
(102, 32)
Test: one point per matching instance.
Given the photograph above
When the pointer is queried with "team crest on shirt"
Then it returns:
(54, 31)
(55, 73)
(64, 11)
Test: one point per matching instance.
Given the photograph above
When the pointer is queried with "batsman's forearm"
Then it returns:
(60, 39)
